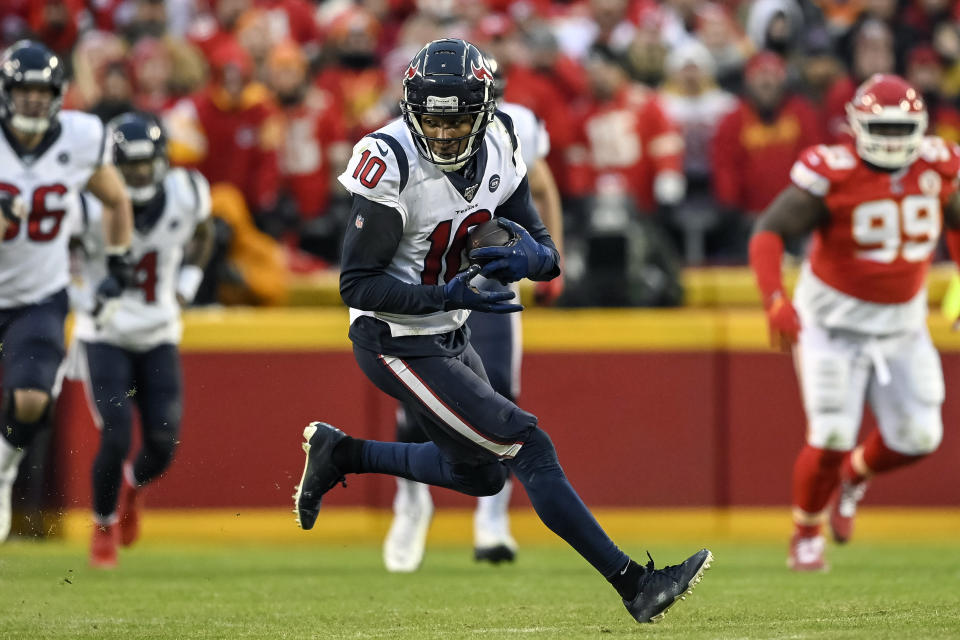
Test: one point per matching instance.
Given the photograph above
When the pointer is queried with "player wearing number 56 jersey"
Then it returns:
(858, 318)
(130, 342)
(46, 158)
(419, 184)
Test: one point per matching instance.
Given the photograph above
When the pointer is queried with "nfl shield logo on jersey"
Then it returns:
(358, 221)
(930, 182)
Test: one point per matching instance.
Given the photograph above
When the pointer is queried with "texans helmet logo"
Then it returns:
(481, 72)
(412, 69)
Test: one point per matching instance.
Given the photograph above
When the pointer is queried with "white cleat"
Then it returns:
(6, 507)
(406, 541)
(9, 466)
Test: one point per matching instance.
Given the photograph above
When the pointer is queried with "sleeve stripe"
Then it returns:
(809, 180)
(84, 212)
(402, 163)
(103, 145)
(193, 185)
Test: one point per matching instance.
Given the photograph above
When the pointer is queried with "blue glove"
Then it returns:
(119, 277)
(459, 294)
(524, 259)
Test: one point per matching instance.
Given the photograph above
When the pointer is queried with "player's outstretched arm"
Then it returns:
(546, 198)
(793, 212)
(195, 258)
(107, 185)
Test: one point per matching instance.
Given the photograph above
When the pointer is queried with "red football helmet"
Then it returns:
(889, 120)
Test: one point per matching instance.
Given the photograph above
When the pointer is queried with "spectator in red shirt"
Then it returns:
(925, 72)
(625, 140)
(210, 30)
(529, 66)
(315, 150)
(356, 76)
(872, 53)
(293, 20)
(231, 130)
(756, 144)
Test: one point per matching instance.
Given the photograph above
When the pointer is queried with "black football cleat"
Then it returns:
(319, 473)
(661, 588)
(495, 554)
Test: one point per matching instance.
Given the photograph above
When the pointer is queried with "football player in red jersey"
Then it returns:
(857, 325)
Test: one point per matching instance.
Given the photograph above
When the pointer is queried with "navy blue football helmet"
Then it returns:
(448, 77)
(140, 152)
(30, 64)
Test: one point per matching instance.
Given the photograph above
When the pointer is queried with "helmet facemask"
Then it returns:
(462, 148)
(889, 139)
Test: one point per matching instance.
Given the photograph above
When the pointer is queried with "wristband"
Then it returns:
(189, 281)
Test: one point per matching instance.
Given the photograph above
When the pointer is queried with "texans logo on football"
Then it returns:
(494, 182)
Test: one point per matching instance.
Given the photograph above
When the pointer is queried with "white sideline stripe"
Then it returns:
(412, 382)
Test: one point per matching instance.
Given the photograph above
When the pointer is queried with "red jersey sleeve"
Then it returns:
(945, 159)
(820, 166)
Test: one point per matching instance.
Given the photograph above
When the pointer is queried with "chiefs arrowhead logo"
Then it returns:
(412, 69)
(480, 73)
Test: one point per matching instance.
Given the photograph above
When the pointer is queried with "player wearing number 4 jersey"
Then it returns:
(857, 322)
(419, 184)
(130, 342)
(46, 158)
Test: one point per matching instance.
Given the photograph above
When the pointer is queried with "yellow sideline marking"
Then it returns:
(455, 526)
(547, 331)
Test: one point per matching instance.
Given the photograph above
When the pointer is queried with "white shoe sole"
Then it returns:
(308, 432)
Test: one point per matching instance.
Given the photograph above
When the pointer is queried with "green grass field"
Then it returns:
(874, 590)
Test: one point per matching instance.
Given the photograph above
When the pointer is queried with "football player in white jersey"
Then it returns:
(419, 184)
(47, 156)
(497, 340)
(130, 342)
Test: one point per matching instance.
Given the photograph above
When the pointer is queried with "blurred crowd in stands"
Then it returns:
(673, 123)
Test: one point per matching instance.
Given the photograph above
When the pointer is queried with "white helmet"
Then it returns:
(889, 120)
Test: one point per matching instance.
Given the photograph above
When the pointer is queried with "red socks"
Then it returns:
(880, 459)
(815, 476)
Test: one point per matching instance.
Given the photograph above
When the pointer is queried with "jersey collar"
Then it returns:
(30, 156)
(468, 179)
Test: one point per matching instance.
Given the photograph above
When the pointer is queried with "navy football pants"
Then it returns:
(476, 434)
(120, 379)
(32, 350)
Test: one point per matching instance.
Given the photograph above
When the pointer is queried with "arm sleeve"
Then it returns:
(369, 244)
(519, 208)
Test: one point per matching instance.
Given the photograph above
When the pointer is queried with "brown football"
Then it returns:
(488, 234)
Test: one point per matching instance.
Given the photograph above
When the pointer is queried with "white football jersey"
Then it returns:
(147, 314)
(34, 260)
(531, 133)
(436, 217)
